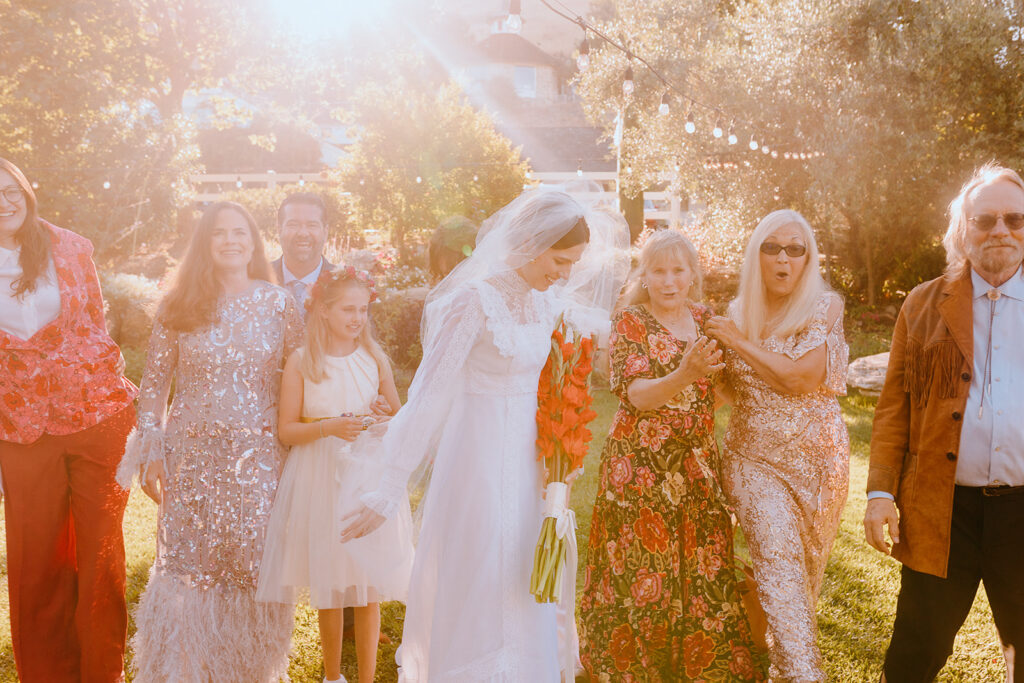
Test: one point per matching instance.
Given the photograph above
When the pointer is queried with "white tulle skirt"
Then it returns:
(303, 555)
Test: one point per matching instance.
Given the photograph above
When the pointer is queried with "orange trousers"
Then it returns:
(65, 553)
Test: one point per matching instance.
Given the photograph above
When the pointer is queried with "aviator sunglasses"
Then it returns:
(792, 250)
(987, 221)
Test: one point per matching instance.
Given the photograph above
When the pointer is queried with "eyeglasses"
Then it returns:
(988, 221)
(792, 250)
(13, 194)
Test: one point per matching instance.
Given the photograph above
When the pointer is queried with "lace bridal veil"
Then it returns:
(404, 448)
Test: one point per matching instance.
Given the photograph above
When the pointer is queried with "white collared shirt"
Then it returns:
(992, 443)
(307, 281)
(25, 316)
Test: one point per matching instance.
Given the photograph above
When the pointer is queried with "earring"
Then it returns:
(643, 285)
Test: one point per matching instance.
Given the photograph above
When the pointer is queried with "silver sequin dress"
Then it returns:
(198, 620)
(786, 472)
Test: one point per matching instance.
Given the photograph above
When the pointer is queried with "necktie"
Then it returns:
(298, 289)
(986, 381)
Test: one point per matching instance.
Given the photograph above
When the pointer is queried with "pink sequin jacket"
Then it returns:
(68, 376)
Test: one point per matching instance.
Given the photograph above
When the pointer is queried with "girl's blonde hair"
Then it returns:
(329, 288)
(749, 310)
(669, 245)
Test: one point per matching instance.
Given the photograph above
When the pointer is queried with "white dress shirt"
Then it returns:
(992, 439)
(23, 317)
(300, 287)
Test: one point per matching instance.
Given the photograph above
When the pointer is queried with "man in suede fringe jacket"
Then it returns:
(947, 448)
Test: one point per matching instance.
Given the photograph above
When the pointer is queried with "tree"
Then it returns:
(91, 103)
(900, 100)
(423, 154)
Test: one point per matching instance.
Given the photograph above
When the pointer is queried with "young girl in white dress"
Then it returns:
(327, 391)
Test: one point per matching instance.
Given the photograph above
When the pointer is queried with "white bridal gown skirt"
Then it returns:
(470, 614)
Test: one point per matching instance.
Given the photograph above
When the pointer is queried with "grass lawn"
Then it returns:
(855, 614)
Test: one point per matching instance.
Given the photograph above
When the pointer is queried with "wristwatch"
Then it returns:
(367, 421)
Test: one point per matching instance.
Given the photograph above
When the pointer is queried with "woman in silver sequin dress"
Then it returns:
(786, 454)
(222, 334)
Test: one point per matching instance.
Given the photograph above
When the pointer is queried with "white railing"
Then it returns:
(665, 206)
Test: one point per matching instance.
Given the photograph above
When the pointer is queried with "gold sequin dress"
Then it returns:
(786, 468)
(198, 619)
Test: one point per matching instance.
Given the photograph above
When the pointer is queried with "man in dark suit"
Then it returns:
(302, 226)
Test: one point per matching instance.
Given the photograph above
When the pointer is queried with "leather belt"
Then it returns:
(1000, 490)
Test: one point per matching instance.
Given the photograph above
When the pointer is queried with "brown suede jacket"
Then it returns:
(916, 435)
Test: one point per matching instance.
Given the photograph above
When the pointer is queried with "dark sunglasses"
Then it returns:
(987, 221)
(792, 250)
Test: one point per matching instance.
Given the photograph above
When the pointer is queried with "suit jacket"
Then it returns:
(918, 419)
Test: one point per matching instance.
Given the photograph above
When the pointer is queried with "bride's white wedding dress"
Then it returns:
(470, 614)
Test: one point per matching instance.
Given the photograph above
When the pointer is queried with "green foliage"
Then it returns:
(396, 319)
(262, 203)
(91, 92)
(902, 99)
(130, 302)
(411, 130)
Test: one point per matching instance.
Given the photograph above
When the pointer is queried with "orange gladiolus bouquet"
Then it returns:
(563, 413)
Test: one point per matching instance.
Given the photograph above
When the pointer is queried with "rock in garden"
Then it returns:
(867, 374)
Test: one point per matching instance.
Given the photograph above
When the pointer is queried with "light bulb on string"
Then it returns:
(717, 130)
(752, 144)
(514, 21)
(786, 155)
(35, 185)
(677, 166)
(690, 126)
(765, 149)
(775, 155)
(627, 82)
(579, 168)
(732, 134)
(106, 184)
(663, 107)
(475, 177)
(362, 181)
(583, 59)
(419, 179)
(238, 182)
(302, 181)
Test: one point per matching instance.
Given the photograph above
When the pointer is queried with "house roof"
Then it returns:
(512, 48)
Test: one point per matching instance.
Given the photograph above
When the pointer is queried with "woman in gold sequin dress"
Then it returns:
(222, 334)
(786, 451)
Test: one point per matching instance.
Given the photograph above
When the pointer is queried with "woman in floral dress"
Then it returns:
(660, 601)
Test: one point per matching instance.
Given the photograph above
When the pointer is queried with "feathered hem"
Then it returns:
(144, 445)
(196, 635)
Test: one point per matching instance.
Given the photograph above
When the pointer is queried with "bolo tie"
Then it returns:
(993, 296)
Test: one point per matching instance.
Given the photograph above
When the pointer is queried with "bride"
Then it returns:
(472, 406)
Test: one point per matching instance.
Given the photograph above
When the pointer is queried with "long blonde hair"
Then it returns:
(955, 239)
(749, 310)
(329, 288)
(671, 245)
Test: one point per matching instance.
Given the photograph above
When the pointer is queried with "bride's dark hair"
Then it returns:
(579, 233)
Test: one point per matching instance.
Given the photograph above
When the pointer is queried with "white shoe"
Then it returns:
(336, 680)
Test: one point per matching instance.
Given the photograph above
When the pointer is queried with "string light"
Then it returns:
(583, 58)
(514, 21)
(362, 181)
(106, 184)
(690, 126)
(775, 155)
(419, 179)
(579, 168)
(302, 181)
(238, 182)
(677, 165)
(732, 133)
(663, 107)
(35, 185)
(627, 82)
(765, 149)
(717, 131)
(752, 144)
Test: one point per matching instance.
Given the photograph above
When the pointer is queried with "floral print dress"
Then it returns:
(660, 601)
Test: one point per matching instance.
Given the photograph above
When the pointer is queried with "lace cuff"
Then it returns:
(145, 445)
(386, 499)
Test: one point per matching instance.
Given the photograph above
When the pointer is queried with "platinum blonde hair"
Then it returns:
(668, 245)
(955, 239)
(749, 310)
